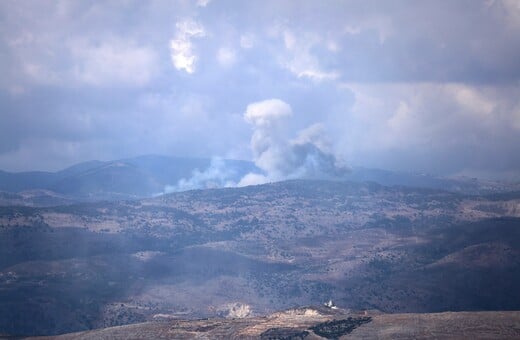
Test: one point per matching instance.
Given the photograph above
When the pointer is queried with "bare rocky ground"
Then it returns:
(322, 323)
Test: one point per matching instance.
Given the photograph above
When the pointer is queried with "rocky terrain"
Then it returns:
(321, 323)
(251, 251)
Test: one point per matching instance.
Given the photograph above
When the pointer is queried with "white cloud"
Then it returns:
(299, 59)
(303, 71)
(182, 55)
(435, 120)
(96, 63)
(203, 3)
(113, 62)
(226, 56)
(474, 100)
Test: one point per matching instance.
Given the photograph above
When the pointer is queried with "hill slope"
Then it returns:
(130, 178)
(317, 323)
(255, 250)
(150, 175)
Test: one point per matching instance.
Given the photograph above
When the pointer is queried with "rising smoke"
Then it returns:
(217, 175)
(276, 155)
(280, 158)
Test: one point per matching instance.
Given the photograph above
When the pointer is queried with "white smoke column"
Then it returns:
(277, 155)
(307, 156)
(267, 142)
(311, 156)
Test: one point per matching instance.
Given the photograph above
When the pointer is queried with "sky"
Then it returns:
(422, 86)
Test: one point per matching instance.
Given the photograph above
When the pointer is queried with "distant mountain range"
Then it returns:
(150, 175)
(129, 178)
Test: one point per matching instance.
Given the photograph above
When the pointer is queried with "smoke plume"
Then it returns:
(278, 156)
(217, 175)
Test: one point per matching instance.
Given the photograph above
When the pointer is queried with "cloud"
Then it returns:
(182, 54)
(43, 53)
(203, 3)
(378, 46)
(441, 128)
(113, 62)
(406, 85)
(301, 61)
(226, 56)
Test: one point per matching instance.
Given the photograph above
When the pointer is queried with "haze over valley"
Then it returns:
(236, 252)
(260, 169)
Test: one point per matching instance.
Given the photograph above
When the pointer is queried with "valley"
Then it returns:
(251, 251)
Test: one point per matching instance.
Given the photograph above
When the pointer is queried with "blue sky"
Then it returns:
(427, 86)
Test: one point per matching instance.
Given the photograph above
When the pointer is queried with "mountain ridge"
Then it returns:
(151, 175)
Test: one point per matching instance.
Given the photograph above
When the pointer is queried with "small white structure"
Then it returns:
(330, 305)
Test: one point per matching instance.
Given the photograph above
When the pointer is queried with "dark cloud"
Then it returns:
(449, 41)
(401, 84)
